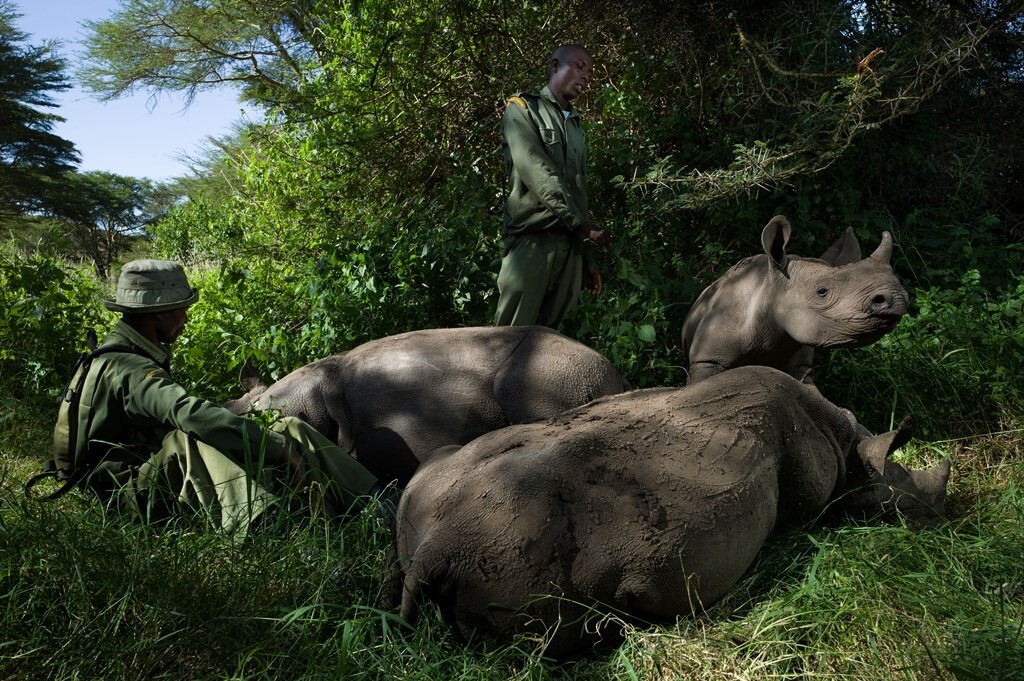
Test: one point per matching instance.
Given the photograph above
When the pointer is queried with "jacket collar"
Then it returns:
(160, 353)
(550, 96)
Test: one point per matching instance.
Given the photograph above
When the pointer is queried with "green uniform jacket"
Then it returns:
(129, 403)
(546, 165)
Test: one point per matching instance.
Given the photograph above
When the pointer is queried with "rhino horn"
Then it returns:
(923, 501)
(845, 251)
(874, 451)
(774, 238)
(935, 478)
(884, 250)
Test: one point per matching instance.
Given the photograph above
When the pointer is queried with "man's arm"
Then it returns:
(152, 395)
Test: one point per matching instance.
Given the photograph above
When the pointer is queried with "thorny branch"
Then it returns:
(840, 120)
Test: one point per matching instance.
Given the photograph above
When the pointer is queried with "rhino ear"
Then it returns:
(249, 377)
(884, 250)
(874, 451)
(774, 238)
(845, 251)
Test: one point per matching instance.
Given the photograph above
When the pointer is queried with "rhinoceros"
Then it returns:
(393, 401)
(773, 309)
(650, 504)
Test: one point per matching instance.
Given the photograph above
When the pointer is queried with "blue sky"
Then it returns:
(124, 136)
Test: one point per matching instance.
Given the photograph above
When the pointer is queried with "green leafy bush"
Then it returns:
(953, 364)
(282, 301)
(46, 308)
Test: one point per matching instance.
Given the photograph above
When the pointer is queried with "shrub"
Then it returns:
(953, 363)
(46, 307)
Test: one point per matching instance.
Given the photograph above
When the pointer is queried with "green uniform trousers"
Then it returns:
(540, 279)
(189, 476)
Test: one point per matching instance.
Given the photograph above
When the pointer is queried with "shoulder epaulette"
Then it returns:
(520, 99)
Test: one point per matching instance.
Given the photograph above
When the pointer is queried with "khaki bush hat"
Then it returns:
(152, 286)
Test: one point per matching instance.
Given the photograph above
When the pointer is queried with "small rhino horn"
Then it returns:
(845, 251)
(874, 451)
(884, 250)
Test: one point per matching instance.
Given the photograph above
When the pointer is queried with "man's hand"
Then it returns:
(592, 278)
(594, 234)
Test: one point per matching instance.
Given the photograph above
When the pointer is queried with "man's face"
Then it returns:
(570, 75)
(170, 324)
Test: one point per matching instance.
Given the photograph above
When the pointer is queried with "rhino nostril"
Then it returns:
(880, 300)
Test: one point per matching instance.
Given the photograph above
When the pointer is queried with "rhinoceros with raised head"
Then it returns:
(773, 309)
(650, 504)
(393, 401)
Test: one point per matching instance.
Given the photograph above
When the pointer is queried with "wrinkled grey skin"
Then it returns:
(392, 401)
(650, 504)
(773, 309)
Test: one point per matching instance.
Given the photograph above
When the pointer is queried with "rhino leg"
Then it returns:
(700, 371)
(801, 364)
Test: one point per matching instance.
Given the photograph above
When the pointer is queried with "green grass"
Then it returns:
(87, 595)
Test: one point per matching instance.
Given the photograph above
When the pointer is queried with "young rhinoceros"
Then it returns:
(650, 504)
(773, 309)
(393, 401)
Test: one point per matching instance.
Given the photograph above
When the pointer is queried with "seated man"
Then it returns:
(154, 450)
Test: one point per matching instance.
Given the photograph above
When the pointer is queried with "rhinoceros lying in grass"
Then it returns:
(393, 401)
(773, 309)
(650, 504)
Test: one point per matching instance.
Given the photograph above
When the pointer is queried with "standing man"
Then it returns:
(548, 231)
(146, 446)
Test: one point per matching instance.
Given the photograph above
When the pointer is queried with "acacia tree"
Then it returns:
(267, 48)
(734, 97)
(103, 212)
(31, 156)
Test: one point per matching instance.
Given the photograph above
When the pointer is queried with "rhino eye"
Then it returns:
(822, 292)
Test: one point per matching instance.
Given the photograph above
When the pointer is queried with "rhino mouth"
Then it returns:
(877, 331)
(863, 331)
(887, 321)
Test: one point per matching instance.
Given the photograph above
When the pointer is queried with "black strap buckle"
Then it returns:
(50, 470)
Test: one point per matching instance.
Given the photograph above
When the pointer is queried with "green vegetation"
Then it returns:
(368, 203)
(89, 595)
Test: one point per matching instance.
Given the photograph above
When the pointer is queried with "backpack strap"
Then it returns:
(66, 430)
(50, 470)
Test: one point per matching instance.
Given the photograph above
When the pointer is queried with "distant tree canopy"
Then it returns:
(31, 156)
(101, 213)
(269, 48)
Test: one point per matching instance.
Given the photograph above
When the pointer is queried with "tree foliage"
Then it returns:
(369, 201)
(46, 308)
(266, 47)
(103, 212)
(31, 156)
